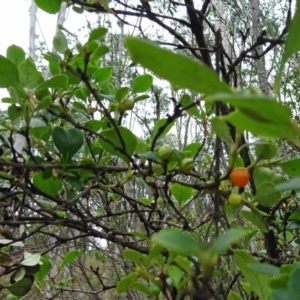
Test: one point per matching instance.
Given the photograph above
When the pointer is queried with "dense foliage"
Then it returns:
(202, 204)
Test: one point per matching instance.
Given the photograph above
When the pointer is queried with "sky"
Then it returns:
(14, 24)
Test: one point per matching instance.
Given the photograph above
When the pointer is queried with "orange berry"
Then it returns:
(239, 176)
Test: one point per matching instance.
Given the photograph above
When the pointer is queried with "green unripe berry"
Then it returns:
(125, 104)
(165, 152)
(235, 200)
(186, 165)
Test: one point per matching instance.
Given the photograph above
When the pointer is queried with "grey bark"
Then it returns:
(256, 33)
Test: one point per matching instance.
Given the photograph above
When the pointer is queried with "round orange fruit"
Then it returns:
(239, 176)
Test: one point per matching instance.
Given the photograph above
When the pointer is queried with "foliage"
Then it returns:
(84, 175)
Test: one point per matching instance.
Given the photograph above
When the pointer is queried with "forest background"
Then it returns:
(152, 152)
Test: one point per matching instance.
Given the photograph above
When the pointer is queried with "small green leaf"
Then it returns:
(293, 282)
(233, 296)
(264, 268)
(265, 150)
(293, 184)
(221, 129)
(16, 54)
(120, 142)
(160, 129)
(142, 83)
(20, 288)
(8, 73)
(185, 101)
(56, 82)
(135, 256)
(192, 149)
(29, 76)
(103, 74)
(265, 174)
(60, 42)
(99, 52)
(266, 194)
(45, 267)
(255, 219)
(97, 34)
(69, 257)
(49, 186)
(14, 112)
(291, 167)
(182, 193)
(224, 241)
(292, 43)
(68, 142)
(258, 281)
(177, 241)
(49, 6)
(175, 274)
(176, 68)
(142, 288)
(122, 93)
(126, 282)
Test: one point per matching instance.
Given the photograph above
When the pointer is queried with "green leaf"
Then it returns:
(99, 52)
(142, 288)
(69, 257)
(182, 193)
(16, 54)
(265, 150)
(291, 167)
(268, 129)
(233, 296)
(258, 281)
(142, 83)
(126, 282)
(49, 186)
(221, 128)
(225, 240)
(49, 6)
(68, 142)
(176, 68)
(160, 129)
(31, 260)
(292, 43)
(45, 267)
(175, 274)
(29, 76)
(120, 142)
(122, 93)
(20, 288)
(265, 174)
(254, 219)
(177, 241)
(266, 194)
(293, 282)
(14, 112)
(264, 268)
(97, 34)
(8, 73)
(103, 74)
(135, 256)
(60, 42)
(185, 101)
(293, 184)
(56, 82)
(259, 114)
(192, 149)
